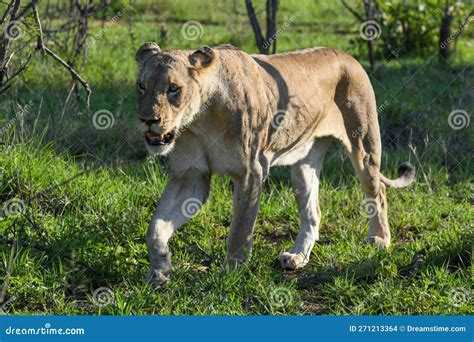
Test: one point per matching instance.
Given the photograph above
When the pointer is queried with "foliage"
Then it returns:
(412, 28)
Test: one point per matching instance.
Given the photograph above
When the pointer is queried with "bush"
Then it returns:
(411, 27)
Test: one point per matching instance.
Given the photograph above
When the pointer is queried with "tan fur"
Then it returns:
(242, 114)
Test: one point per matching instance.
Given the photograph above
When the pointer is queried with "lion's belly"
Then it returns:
(292, 156)
(292, 141)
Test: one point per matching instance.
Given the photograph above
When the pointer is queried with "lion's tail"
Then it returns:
(406, 176)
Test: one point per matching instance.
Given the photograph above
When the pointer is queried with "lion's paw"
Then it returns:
(378, 242)
(290, 261)
(157, 278)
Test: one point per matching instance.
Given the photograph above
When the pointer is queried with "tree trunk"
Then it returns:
(369, 14)
(445, 44)
(5, 41)
(270, 38)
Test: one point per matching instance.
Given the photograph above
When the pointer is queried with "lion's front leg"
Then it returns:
(181, 200)
(247, 191)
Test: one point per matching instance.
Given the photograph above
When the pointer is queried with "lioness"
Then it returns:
(220, 110)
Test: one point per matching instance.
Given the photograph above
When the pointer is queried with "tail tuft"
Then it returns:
(406, 170)
(406, 176)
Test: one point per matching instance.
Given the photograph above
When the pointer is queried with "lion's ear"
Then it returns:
(202, 57)
(146, 51)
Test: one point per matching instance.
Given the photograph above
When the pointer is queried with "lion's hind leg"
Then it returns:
(365, 156)
(305, 182)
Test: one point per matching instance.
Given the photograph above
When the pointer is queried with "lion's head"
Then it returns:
(169, 92)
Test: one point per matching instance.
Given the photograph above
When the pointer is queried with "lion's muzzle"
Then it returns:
(155, 139)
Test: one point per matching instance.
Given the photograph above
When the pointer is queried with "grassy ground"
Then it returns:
(88, 194)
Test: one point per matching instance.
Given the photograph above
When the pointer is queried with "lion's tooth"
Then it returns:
(161, 136)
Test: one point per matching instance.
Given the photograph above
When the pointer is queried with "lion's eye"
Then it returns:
(173, 89)
(141, 87)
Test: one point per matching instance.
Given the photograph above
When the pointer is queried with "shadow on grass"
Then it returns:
(369, 270)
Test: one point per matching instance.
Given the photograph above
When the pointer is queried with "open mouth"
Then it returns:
(155, 139)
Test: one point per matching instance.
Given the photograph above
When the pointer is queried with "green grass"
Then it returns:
(89, 195)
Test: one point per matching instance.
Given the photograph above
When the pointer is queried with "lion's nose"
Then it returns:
(150, 122)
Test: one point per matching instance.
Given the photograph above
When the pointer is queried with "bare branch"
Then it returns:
(73, 72)
(369, 14)
(354, 12)
(272, 6)
(24, 10)
(5, 14)
(242, 13)
(5, 41)
(43, 48)
(18, 71)
(8, 60)
(40, 43)
(21, 68)
(255, 26)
